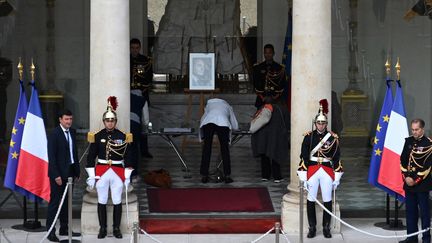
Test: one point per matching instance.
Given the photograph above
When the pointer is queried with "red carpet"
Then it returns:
(208, 226)
(199, 200)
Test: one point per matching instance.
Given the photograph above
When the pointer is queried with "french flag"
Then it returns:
(32, 171)
(390, 174)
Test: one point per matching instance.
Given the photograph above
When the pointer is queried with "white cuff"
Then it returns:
(91, 172)
(302, 175)
(338, 176)
(128, 172)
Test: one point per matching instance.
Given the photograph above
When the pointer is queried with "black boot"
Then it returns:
(311, 219)
(116, 221)
(326, 220)
(102, 215)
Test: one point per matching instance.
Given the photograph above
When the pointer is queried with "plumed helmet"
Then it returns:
(322, 112)
(111, 107)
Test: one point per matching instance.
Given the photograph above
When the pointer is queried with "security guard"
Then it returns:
(416, 161)
(110, 172)
(268, 78)
(321, 167)
(141, 77)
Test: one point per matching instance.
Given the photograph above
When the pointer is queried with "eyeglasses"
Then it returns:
(321, 123)
(110, 120)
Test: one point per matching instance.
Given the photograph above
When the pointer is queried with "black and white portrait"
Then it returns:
(201, 71)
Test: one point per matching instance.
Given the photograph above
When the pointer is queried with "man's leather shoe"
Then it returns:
(102, 233)
(312, 232)
(66, 233)
(228, 180)
(117, 233)
(326, 232)
(53, 238)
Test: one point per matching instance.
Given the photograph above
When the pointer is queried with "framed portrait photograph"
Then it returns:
(201, 71)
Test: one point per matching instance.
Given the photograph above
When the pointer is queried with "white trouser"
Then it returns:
(324, 181)
(145, 114)
(109, 181)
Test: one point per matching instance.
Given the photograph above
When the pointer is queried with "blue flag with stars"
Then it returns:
(378, 143)
(15, 147)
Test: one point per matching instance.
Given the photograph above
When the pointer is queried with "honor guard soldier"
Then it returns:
(269, 81)
(416, 161)
(110, 171)
(268, 78)
(320, 166)
(141, 77)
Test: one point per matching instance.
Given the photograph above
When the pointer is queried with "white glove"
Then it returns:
(335, 184)
(302, 175)
(91, 180)
(127, 182)
(128, 172)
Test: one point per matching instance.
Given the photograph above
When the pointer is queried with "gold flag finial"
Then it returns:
(387, 66)
(398, 67)
(32, 70)
(20, 69)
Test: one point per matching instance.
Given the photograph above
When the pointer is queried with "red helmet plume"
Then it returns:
(112, 100)
(324, 105)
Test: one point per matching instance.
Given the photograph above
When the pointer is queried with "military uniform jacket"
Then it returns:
(416, 162)
(141, 74)
(268, 80)
(327, 157)
(109, 146)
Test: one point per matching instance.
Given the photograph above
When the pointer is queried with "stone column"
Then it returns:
(109, 60)
(311, 81)
(109, 76)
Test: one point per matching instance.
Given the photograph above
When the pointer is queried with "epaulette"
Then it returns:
(129, 137)
(334, 134)
(307, 133)
(91, 137)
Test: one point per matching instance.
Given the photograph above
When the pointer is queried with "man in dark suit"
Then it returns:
(63, 163)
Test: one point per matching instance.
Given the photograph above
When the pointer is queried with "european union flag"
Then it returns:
(286, 60)
(378, 142)
(15, 147)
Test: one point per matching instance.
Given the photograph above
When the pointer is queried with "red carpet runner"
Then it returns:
(199, 200)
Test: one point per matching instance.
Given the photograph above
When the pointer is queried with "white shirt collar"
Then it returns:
(64, 129)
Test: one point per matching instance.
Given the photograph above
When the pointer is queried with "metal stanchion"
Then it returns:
(135, 232)
(277, 232)
(70, 240)
(301, 210)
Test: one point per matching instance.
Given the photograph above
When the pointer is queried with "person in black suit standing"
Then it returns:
(63, 163)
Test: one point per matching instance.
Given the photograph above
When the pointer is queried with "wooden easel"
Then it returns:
(188, 117)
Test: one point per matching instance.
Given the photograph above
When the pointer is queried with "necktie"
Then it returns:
(69, 145)
(67, 136)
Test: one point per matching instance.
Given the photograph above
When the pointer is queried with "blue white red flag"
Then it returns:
(32, 172)
(390, 174)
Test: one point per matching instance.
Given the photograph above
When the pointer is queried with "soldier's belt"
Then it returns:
(319, 159)
(110, 162)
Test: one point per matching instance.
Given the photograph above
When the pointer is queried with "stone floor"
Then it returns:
(347, 235)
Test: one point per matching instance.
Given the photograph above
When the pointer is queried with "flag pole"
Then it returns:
(36, 224)
(397, 224)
